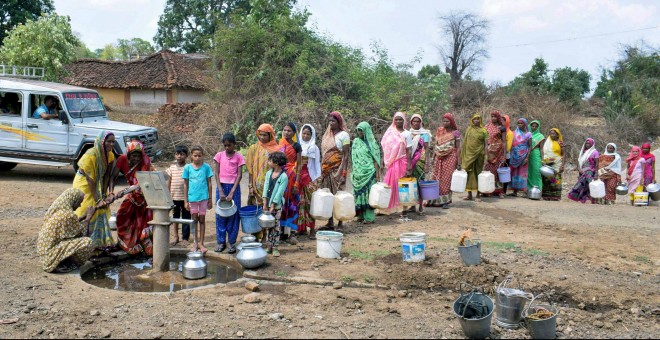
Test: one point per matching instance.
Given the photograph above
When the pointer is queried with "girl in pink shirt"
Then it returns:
(228, 173)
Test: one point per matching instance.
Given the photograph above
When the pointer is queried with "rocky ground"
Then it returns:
(598, 264)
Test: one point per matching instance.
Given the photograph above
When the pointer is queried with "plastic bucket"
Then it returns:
(641, 198)
(429, 190)
(504, 174)
(249, 222)
(413, 246)
(475, 328)
(541, 329)
(471, 254)
(328, 244)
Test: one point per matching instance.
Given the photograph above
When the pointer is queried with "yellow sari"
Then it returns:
(256, 162)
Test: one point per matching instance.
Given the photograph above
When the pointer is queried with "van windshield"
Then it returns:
(88, 102)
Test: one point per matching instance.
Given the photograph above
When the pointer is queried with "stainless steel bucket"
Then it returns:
(509, 303)
(474, 328)
(541, 329)
(471, 253)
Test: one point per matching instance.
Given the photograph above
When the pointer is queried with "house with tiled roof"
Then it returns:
(161, 78)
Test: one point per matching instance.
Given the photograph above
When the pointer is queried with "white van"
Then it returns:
(58, 141)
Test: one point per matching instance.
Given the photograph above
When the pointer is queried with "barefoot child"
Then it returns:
(197, 191)
(175, 184)
(273, 196)
(228, 172)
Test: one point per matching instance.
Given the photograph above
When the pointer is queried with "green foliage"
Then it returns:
(109, 52)
(569, 85)
(632, 87)
(189, 25)
(14, 12)
(428, 71)
(47, 42)
(535, 80)
(129, 49)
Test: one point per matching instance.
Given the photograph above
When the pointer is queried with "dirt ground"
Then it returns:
(599, 264)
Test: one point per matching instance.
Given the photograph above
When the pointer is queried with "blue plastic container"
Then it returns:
(249, 222)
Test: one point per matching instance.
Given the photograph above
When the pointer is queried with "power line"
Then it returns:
(576, 38)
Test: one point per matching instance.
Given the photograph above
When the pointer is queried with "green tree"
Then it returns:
(14, 12)
(47, 42)
(569, 85)
(135, 48)
(535, 80)
(109, 52)
(428, 71)
(189, 25)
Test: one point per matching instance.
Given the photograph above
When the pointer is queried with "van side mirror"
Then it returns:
(63, 117)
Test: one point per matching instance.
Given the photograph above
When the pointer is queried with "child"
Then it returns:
(273, 196)
(229, 166)
(197, 192)
(175, 184)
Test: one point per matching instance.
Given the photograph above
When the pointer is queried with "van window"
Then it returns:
(87, 103)
(11, 103)
(36, 100)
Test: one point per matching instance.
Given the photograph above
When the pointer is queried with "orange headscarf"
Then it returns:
(271, 145)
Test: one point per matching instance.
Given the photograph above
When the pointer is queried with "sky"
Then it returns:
(585, 34)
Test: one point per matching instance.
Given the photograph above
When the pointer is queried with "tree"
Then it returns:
(428, 71)
(189, 25)
(14, 12)
(135, 48)
(464, 48)
(535, 80)
(109, 52)
(47, 42)
(569, 85)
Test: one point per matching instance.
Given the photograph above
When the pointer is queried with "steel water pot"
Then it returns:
(266, 220)
(195, 266)
(245, 239)
(654, 191)
(252, 255)
(621, 189)
(534, 193)
(547, 171)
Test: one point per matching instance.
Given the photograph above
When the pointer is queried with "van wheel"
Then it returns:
(6, 166)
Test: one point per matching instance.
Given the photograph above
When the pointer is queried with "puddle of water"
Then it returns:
(135, 275)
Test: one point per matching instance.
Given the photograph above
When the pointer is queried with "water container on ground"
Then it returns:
(486, 182)
(379, 195)
(459, 181)
(597, 189)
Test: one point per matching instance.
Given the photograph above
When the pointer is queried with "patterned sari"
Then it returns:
(495, 153)
(473, 152)
(420, 138)
(133, 231)
(364, 154)
(96, 163)
(553, 156)
(256, 163)
(587, 167)
(636, 170)
(519, 150)
(534, 178)
(61, 235)
(609, 171)
(331, 149)
(395, 160)
(309, 173)
(289, 213)
(446, 158)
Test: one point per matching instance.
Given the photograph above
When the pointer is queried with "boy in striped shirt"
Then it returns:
(175, 184)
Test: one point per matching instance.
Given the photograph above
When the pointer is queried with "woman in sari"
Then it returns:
(257, 162)
(365, 156)
(397, 147)
(310, 171)
(133, 231)
(649, 158)
(522, 143)
(335, 149)
(421, 138)
(62, 245)
(473, 154)
(635, 174)
(587, 165)
(534, 178)
(93, 179)
(609, 171)
(292, 150)
(509, 142)
(553, 156)
(447, 153)
(495, 149)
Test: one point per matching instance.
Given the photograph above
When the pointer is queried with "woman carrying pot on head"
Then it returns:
(649, 158)
(534, 178)
(447, 154)
(553, 156)
(473, 154)
(397, 147)
(62, 244)
(365, 155)
(495, 148)
(310, 171)
(289, 214)
(420, 153)
(133, 231)
(609, 171)
(93, 179)
(635, 174)
(587, 165)
(522, 143)
(335, 149)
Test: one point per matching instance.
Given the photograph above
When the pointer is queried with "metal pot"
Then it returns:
(266, 220)
(654, 191)
(547, 171)
(195, 266)
(225, 208)
(621, 189)
(252, 255)
(112, 221)
(534, 193)
(244, 240)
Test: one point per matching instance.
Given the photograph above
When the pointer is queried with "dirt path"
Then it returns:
(599, 264)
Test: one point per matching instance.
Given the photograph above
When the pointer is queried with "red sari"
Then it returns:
(495, 154)
(289, 216)
(133, 232)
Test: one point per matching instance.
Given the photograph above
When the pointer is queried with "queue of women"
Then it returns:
(77, 224)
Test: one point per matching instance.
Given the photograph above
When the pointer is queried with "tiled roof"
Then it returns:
(161, 70)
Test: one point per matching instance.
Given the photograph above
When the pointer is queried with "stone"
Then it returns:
(598, 324)
(608, 325)
(582, 305)
(252, 298)
(105, 334)
(156, 336)
(252, 286)
(389, 270)
(403, 293)
(337, 285)
(94, 313)
(634, 311)
(276, 316)
(562, 278)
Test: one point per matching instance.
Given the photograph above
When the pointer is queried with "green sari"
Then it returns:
(364, 154)
(534, 178)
